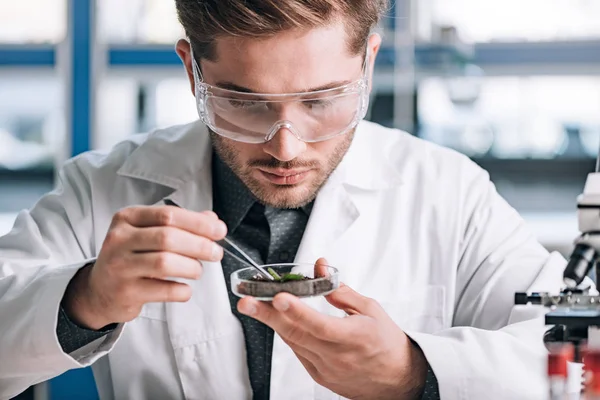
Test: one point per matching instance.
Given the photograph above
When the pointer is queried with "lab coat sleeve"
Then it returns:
(494, 350)
(38, 258)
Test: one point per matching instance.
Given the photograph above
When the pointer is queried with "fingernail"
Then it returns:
(220, 229)
(217, 252)
(281, 304)
(248, 309)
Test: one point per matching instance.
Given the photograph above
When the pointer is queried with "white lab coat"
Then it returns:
(418, 227)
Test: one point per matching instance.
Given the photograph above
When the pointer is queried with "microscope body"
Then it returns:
(575, 311)
(587, 246)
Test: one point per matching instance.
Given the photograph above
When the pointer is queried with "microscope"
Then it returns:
(575, 311)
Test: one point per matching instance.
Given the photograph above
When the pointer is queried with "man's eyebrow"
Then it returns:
(232, 86)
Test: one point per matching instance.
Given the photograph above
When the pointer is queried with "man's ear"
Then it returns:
(184, 51)
(374, 44)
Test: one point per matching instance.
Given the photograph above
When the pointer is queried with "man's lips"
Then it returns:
(284, 172)
(284, 176)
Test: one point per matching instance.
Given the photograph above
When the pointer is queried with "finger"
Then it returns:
(293, 320)
(162, 265)
(352, 302)
(321, 268)
(331, 301)
(159, 291)
(210, 214)
(174, 240)
(203, 224)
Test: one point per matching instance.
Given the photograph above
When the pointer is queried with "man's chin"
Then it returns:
(285, 196)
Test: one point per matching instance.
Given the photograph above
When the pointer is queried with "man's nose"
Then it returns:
(284, 146)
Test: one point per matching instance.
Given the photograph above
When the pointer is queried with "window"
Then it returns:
(138, 21)
(519, 20)
(33, 21)
(174, 103)
(540, 117)
(32, 135)
(31, 122)
(127, 106)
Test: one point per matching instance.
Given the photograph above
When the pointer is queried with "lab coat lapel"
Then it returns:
(207, 339)
(196, 196)
(332, 216)
(333, 213)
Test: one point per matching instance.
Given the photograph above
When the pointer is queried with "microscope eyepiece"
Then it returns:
(580, 263)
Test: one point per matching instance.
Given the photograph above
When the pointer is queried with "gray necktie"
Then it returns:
(269, 236)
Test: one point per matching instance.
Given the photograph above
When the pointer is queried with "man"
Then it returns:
(105, 270)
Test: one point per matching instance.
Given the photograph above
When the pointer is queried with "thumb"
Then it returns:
(321, 268)
(352, 302)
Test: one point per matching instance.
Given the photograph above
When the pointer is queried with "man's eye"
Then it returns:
(247, 105)
(317, 103)
(238, 103)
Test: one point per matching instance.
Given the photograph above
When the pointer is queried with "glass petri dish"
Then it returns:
(244, 282)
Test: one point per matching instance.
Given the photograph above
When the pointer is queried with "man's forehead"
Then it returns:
(327, 38)
(291, 61)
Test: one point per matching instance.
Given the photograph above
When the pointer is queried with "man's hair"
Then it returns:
(205, 21)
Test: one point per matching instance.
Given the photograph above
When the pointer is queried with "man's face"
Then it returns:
(285, 172)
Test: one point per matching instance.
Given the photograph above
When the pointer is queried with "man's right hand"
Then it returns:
(144, 247)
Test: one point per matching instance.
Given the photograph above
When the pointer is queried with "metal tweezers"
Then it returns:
(226, 241)
(249, 261)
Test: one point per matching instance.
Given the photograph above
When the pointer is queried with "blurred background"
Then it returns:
(514, 84)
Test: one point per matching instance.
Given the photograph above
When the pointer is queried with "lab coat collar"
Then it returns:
(171, 157)
(177, 155)
(372, 162)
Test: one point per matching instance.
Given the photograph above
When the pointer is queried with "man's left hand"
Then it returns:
(362, 356)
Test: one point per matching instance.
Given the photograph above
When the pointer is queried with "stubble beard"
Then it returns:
(277, 196)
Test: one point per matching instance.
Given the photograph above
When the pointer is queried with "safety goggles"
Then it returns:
(256, 118)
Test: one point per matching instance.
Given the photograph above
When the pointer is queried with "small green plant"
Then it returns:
(286, 277)
(274, 274)
(292, 277)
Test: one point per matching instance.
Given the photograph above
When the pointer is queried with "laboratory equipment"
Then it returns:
(575, 311)
(592, 375)
(244, 282)
(558, 372)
